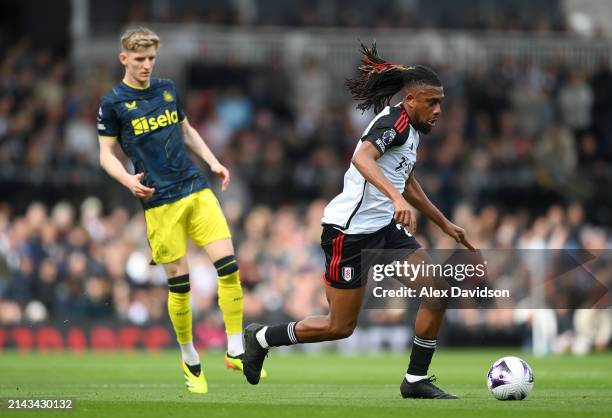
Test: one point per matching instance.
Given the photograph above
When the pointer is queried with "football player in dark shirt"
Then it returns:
(144, 117)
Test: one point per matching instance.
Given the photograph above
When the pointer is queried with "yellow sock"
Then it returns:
(179, 307)
(230, 294)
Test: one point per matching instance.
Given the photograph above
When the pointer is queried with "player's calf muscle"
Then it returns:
(428, 322)
(322, 328)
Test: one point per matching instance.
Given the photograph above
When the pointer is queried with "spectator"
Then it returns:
(575, 102)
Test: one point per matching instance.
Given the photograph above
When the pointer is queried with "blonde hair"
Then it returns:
(139, 38)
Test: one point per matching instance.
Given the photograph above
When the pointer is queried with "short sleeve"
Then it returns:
(179, 108)
(383, 135)
(108, 124)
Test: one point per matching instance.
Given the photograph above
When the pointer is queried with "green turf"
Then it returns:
(330, 385)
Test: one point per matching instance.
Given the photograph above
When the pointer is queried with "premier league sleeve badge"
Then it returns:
(388, 136)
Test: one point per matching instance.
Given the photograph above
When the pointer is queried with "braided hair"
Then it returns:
(379, 80)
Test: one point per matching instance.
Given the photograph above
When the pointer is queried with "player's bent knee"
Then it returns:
(338, 332)
(176, 268)
(344, 332)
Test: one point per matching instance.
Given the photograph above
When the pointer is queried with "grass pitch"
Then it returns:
(323, 385)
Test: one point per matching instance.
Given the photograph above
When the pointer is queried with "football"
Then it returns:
(510, 378)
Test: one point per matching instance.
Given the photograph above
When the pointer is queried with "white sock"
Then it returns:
(412, 378)
(261, 337)
(234, 344)
(189, 353)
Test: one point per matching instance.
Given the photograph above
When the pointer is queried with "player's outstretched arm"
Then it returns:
(415, 195)
(365, 162)
(194, 142)
(113, 166)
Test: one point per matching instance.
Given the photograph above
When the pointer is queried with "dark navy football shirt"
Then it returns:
(147, 124)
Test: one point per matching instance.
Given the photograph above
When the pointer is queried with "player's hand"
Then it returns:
(403, 214)
(137, 188)
(458, 234)
(223, 174)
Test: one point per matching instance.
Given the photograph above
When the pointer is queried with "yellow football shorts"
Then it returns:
(197, 216)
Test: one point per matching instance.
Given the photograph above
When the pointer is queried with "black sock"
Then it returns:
(283, 334)
(420, 357)
(195, 370)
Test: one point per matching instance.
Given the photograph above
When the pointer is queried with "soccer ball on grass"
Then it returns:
(510, 378)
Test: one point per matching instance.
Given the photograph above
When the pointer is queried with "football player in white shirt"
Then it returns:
(373, 212)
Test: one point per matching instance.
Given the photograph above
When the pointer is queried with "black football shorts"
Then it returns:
(343, 261)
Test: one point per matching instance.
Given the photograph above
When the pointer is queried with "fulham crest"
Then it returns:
(347, 273)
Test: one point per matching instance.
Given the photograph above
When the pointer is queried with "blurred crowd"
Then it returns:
(542, 16)
(521, 159)
(45, 117)
(67, 263)
(511, 134)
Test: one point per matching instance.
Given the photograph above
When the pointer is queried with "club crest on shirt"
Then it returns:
(167, 96)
